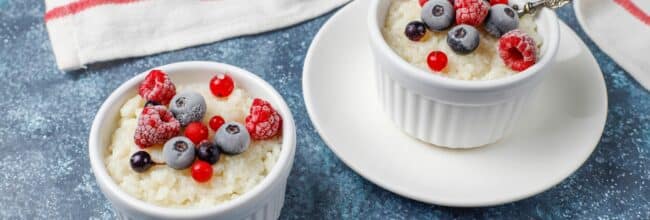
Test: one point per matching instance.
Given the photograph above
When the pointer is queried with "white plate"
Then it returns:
(555, 136)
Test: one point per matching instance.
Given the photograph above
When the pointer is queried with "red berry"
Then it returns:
(437, 60)
(216, 122)
(221, 85)
(201, 171)
(518, 50)
(471, 12)
(495, 2)
(263, 122)
(157, 87)
(196, 132)
(155, 126)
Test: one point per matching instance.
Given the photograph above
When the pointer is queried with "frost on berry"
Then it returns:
(155, 126)
(263, 122)
(518, 50)
(157, 87)
(471, 12)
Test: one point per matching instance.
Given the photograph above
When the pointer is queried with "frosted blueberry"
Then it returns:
(187, 107)
(501, 19)
(232, 138)
(179, 152)
(438, 15)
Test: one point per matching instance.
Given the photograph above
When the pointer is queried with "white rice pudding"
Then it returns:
(482, 64)
(165, 186)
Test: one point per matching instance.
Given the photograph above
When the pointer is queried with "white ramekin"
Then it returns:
(449, 112)
(264, 201)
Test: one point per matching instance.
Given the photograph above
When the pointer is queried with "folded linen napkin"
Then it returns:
(621, 28)
(87, 31)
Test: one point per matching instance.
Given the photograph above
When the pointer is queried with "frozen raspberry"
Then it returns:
(155, 126)
(157, 88)
(517, 50)
(471, 12)
(263, 122)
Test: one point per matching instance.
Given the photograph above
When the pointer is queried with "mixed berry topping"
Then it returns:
(208, 152)
(179, 152)
(141, 161)
(517, 50)
(187, 107)
(463, 39)
(501, 19)
(155, 126)
(263, 122)
(471, 12)
(415, 31)
(437, 60)
(157, 87)
(201, 171)
(222, 85)
(159, 126)
(196, 132)
(216, 122)
(232, 138)
(465, 17)
(438, 15)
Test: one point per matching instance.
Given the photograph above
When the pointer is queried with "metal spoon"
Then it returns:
(533, 6)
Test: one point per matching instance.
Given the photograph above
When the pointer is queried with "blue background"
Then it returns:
(45, 118)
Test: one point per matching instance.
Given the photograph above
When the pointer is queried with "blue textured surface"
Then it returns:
(46, 115)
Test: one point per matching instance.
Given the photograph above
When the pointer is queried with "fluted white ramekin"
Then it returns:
(263, 202)
(449, 112)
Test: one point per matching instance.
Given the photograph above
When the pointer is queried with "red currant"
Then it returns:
(201, 171)
(216, 122)
(494, 2)
(196, 132)
(221, 85)
(437, 60)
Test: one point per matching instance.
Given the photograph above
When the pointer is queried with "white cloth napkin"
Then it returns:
(88, 31)
(621, 28)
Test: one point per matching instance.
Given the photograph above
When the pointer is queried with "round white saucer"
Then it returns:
(554, 137)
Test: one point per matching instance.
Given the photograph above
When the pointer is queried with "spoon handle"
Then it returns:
(533, 6)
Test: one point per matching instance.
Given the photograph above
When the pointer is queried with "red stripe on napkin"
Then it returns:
(78, 6)
(634, 10)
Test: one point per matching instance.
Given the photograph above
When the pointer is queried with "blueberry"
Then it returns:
(232, 138)
(208, 152)
(141, 161)
(187, 107)
(463, 39)
(178, 152)
(415, 30)
(438, 15)
(501, 19)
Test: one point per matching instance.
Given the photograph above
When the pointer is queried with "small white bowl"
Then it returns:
(450, 112)
(264, 201)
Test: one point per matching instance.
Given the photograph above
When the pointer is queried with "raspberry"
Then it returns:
(471, 12)
(155, 126)
(157, 87)
(518, 50)
(263, 122)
